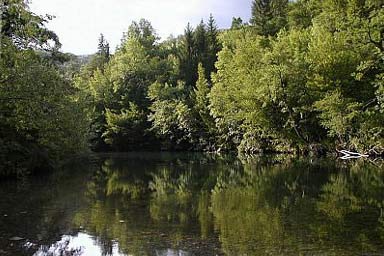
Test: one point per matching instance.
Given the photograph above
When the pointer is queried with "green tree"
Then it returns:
(200, 42)
(213, 47)
(172, 119)
(119, 91)
(188, 57)
(24, 28)
(103, 55)
(201, 106)
(269, 16)
(42, 118)
(302, 12)
(93, 81)
(236, 23)
(201, 92)
(124, 129)
(347, 66)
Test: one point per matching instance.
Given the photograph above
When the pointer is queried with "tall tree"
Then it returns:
(214, 46)
(201, 42)
(201, 105)
(99, 59)
(188, 58)
(143, 31)
(103, 49)
(41, 116)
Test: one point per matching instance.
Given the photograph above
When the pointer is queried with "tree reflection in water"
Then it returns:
(207, 205)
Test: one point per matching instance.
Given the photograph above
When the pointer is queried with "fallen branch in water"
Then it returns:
(351, 155)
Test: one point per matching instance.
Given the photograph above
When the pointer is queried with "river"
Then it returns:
(195, 204)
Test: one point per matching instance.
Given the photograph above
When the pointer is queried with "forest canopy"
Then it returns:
(301, 76)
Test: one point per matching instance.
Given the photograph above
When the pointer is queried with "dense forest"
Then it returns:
(301, 76)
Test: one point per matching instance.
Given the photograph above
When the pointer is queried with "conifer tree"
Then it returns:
(103, 49)
(269, 16)
(214, 47)
(201, 91)
(188, 57)
(101, 58)
(201, 99)
(200, 39)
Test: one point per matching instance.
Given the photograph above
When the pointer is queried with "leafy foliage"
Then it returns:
(41, 116)
(302, 76)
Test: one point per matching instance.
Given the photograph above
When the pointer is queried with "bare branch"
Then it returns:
(351, 155)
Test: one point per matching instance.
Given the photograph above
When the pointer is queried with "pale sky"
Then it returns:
(78, 23)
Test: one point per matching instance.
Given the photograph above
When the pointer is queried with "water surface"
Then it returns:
(196, 204)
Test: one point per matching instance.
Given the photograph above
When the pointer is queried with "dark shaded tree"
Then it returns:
(214, 46)
(41, 116)
(269, 16)
(236, 23)
(188, 57)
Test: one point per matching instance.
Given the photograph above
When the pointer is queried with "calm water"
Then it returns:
(193, 204)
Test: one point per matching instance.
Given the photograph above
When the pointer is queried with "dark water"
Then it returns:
(192, 204)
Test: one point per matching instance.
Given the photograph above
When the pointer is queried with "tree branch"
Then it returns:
(377, 44)
(369, 103)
